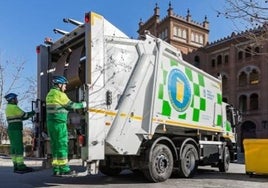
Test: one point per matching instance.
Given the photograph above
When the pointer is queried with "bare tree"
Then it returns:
(250, 18)
(249, 12)
(12, 80)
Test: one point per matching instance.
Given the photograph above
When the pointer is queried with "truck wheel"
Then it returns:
(107, 170)
(224, 164)
(160, 164)
(188, 161)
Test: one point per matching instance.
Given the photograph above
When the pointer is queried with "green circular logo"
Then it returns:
(179, 90)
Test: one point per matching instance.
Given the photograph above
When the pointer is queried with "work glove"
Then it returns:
(84, 104)
(31, 114)
(82, 110)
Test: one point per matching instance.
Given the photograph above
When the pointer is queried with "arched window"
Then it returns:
(257, 50)
(219, 60)
(254, 77)
(224, 82)
(243, 79)
(240, 55)
(165, 33)
(226, 59)
(243, 103)
(197, 61)
(254, 101)
(248, 52)
(213, 63)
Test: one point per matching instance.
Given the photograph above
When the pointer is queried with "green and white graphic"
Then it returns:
(188, 95)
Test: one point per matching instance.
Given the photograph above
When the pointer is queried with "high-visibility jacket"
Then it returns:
(58, 104)
(15, 116)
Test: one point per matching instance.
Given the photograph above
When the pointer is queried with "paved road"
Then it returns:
(206, 178)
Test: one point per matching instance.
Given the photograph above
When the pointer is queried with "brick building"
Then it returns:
(183, 33)
(241, 62)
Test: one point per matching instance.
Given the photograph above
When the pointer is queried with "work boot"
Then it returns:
(15, 167)
(56, 171)
(65, 171)
(25, 170)
(70, 173)
(21, 169)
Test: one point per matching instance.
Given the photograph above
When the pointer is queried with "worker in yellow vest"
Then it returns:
(15, 116)
(57, 106)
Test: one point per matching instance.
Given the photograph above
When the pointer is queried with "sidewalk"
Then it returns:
(31, 161)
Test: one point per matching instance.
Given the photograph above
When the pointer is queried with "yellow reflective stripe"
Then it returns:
(229, 136)
(14, 120)
(56, 111)
(62, 162)
(158, 120)
(187, 125)
(54, 162)
(59, 162)
(100, 111)
(55, 108)
(111, 113)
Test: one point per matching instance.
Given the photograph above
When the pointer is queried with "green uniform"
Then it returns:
(57, 105)
(15, 116)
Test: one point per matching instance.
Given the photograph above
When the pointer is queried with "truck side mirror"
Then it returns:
(234, 116)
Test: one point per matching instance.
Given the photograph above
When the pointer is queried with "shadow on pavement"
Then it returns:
(43, 178)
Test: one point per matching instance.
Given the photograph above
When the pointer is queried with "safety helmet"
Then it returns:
(59, 80)
(10, 96)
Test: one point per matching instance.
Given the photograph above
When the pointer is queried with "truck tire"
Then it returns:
(107, 170)
(160, 164)
(188, 161)
(224, 164)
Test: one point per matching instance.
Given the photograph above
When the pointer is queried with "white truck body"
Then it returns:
(141, 96)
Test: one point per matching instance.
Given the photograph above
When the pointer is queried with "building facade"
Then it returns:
(241, 63)
(181, 32)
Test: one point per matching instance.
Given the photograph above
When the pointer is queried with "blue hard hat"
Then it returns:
(10, 96)
(59, 80)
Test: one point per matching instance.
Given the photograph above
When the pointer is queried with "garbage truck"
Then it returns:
(148, 110)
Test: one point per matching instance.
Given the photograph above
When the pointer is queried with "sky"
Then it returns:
(25, 23)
